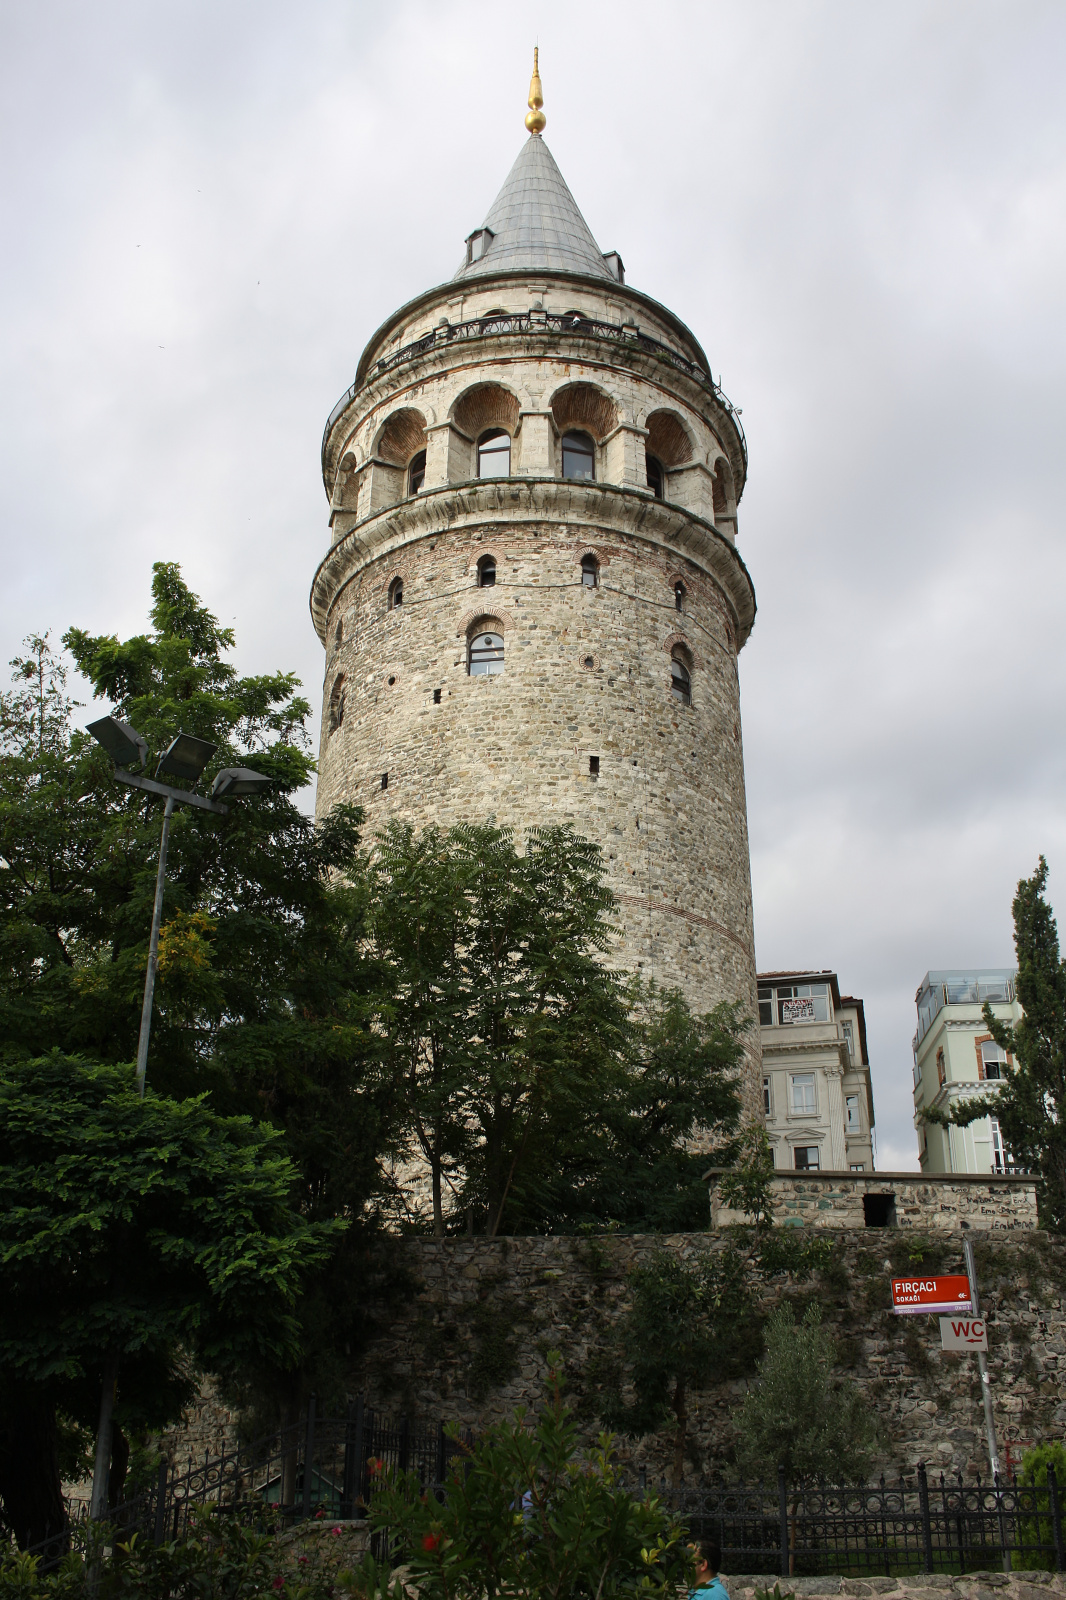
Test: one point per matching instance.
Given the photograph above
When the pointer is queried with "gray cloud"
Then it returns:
(860, 211)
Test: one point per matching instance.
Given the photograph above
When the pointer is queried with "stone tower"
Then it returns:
(532, 601)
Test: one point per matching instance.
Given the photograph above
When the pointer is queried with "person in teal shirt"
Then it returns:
(708, 1585)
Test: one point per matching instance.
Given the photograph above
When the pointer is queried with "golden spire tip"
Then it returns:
(535, 118)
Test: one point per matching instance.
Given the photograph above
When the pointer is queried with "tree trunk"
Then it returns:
(102, 1464)
(290, 1417)
(30, 1487)
(681, 1438)
(438, 1206)
(120, 1460)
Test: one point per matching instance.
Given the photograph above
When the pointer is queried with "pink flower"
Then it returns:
(335, 1530)
(279, 1583)
(303, 1560)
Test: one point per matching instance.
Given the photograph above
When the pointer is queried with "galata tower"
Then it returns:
(532, 601)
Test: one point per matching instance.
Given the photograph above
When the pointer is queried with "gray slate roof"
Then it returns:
(536, 222)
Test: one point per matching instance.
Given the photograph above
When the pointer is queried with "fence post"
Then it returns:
(405, 1443)
(927, 1525)
(1056, 1516)
(442, 1447)
(782, 1516)
(309, 1455)
(353, 1451)
(160, 1503)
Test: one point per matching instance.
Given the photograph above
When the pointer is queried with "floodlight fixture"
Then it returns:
(233, 781)
(123, 744)
(186, 756)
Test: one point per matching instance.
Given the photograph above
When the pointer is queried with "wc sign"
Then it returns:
(963, 1333)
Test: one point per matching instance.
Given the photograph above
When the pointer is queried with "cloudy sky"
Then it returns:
(207, 207)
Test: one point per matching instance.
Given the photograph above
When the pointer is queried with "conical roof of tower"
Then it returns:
(536, 224)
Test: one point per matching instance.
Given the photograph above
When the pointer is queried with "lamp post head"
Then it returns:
(123, 744)
(233, 781)
(186, 756)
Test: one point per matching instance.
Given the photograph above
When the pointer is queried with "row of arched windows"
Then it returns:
(486, 579)
(494, 461)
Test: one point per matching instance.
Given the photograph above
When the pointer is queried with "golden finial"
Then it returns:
(535, 118)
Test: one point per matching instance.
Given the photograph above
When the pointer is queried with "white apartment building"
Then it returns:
(817, 1095)
(956, 1058)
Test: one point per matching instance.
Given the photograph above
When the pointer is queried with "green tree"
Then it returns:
(496, 1008)
(130, 1231)
(528, 1514)
(633, 1153)
(1036, 1536)
(1030, 1105)
(797, 1414)
(262, 998)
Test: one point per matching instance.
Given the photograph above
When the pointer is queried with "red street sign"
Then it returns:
(916, 1296)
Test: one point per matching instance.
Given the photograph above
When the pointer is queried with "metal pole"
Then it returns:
(982, 1364)
(153, 951)
(102, 1463)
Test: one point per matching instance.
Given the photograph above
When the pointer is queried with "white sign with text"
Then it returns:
(963, 1333)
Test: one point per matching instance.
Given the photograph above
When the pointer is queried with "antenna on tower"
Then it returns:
(535, 118)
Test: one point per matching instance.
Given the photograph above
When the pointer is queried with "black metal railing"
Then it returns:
(892, 1528)
(543, 323)
(327, 1466)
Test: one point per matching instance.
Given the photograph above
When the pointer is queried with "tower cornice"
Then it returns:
(512, 502)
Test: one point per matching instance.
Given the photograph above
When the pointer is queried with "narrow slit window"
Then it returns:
(590, 572)
(494, 454)
(656, 477)
(338, 635)
(486, 654)
(679, 596)
(395, 593)
(486, 572)
(336, 702)
(579, 456)
(416, 473)
(594, 766)
(436, 697)
(384, 780)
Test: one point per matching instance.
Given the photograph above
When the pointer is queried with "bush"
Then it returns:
(1036, 1539)
(526, 1515)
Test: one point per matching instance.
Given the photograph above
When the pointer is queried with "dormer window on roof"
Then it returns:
(478, 243)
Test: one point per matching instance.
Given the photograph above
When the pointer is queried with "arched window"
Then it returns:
(679, 596)
(338, 634)
(680, 678)
(486, 654)
(590, 572)
(656, 477)
(336, 703)
(494, 454)
(395, 593)
(486, 572)
(416, 473)
(579, 456)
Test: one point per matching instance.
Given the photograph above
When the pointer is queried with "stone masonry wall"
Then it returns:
(471, 1342)
(942, 1204)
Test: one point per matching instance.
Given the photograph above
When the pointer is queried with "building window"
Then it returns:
(793, 1002)
(590, 572)
(993, 1060)
(679, 596)
(395, 593)
(656, 477)
(680, 678)
(766, 1096)
(494, 454)
(338, 635)
(803, 1094)
(579, 456)
(941, 1071)
(806, 1158)
(1000, 1157)
(416, 473)
(849, 1038)
(436, 697)
(858, 1166)
(594, 766)
(852, 1119)
(486, 572)
(384, 780)
(336, 702)
(486, 654)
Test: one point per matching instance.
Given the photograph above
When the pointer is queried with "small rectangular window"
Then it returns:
(594, 766)
(858, 1166)
(806, 1157)
(384, 780)
(803, 1093)
(766, 1095)
(436, 697)
(851, 1106)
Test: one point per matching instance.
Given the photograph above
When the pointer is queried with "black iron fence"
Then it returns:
(327, 1466)
(891, 1528)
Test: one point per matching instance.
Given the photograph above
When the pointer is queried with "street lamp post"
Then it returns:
(185, 757)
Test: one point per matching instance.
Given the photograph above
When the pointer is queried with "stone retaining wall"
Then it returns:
(923, 1586)
(940, 1204)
